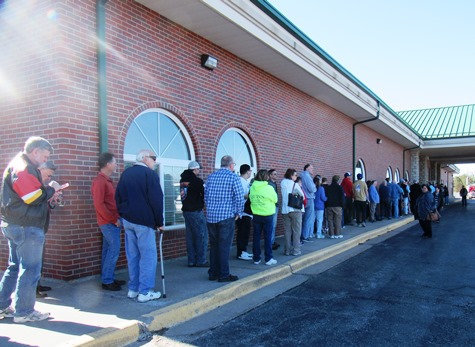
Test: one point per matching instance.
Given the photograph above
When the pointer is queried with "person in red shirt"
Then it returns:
(103, 195)
(347, 186)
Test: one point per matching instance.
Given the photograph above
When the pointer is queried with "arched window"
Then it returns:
(397, 176)
(165, 135)
(389, 174)
(360, 169)
(406, 175)
(235, 143)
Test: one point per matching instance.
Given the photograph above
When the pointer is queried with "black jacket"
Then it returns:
(193, 199)
(24, 198)
(335, 195)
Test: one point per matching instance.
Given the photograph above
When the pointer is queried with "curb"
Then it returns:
(190, 308)
(120, 335)
(200, 304)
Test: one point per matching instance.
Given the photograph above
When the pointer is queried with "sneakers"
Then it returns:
(296, 253)
(257, 262)
(307, 240)
(151, 295)
(271, 261)
(34, 316)
(363, 225)
(132, 294)
(338, 236)
(7, 313)
(245, 256)
(320, 236)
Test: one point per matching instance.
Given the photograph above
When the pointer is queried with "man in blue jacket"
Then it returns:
(395, 193)
(139, 199)
(309, 189)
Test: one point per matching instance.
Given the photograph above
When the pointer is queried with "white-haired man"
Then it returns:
(139, 199)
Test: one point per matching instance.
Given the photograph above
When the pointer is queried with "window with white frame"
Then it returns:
(360, 169)
(389, 174)
(397, 176)
(236, 143)
(163, 133)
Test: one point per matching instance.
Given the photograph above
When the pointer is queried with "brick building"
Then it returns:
(275, 100)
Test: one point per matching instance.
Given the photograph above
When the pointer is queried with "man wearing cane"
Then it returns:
(139, 199)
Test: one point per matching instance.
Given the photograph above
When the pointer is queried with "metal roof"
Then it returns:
(442, 122)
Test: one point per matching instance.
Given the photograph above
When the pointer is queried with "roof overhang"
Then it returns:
(243, 29)
(450, 151)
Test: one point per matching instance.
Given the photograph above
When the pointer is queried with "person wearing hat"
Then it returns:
(192, 199)
(347, 185)
(360, 194)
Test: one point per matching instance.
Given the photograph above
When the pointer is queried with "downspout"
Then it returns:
(101, 74)
(354, 135)
(404, 156)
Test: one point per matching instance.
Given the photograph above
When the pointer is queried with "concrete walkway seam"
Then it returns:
(120, 335)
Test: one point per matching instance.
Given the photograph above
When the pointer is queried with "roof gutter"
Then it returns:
(101, 74)
(354, 134)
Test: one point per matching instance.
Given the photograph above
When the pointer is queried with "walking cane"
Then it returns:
(161, 263)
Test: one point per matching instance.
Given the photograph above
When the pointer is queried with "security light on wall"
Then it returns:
(208, 61)
(379, 141)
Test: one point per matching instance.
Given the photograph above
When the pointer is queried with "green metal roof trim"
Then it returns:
(442, 122)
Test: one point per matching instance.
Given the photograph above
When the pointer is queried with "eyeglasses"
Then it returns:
(153, 157)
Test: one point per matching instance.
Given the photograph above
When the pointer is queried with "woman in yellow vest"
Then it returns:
(263, 199)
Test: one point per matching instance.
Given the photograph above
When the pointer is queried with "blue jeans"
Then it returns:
(308, 220)
(141, 252)
(262, 223)
(220, 240)
(319, 218)
(110, 251)
(395, 203)
(196, 237)
(24, 267)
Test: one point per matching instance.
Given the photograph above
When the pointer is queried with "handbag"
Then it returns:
(434, 216)
(295, 200)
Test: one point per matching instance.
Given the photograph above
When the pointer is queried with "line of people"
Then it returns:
(136, 205)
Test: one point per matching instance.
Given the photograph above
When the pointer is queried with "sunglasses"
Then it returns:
(153, 157)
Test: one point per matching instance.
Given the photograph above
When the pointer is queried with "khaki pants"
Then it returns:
(334, 220)
(292, 231)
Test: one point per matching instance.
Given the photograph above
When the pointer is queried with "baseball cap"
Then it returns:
(193, 165)
(359, 176)
(347, 174)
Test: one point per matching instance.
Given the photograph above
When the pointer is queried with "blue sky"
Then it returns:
(413, 54)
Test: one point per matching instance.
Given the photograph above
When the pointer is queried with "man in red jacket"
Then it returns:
(103, 196)
(347, 186)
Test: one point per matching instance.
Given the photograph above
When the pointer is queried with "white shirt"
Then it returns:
(286, 186)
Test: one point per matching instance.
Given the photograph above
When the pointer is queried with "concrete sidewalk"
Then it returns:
(82, 314)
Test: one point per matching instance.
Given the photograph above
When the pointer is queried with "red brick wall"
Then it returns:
(152, 62)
